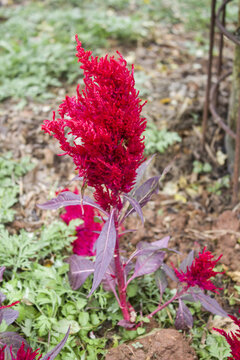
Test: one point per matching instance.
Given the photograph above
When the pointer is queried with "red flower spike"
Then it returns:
(233, 339)
(200, 272)
(106, 127)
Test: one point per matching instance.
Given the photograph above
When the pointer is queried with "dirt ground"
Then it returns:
(184, 208)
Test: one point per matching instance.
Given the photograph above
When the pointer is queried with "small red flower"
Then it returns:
(105, 125)
(233, 339)
(27, 355)
(200, 272)
(22, 354)
(86, 236)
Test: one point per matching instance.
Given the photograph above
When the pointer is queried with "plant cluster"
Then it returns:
(14, 347)
(105, 124)
(10, 172)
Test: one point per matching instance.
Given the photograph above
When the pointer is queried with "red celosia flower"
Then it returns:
(233, 339)
(86, 236)
(200, 272)
(105, 123)
(22, 354)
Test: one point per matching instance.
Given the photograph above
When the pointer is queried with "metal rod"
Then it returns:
(209, 76)
(227, 33)
(216, 117)
(236, 161)
(220, 56)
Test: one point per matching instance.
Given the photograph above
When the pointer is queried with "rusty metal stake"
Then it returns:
(220, 56)
(236, 161)
(211, 98)
(207, 97)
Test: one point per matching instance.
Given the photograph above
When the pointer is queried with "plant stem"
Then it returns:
(121, 282)
(161, 307)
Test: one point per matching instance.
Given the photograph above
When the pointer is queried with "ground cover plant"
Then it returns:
(35, 36)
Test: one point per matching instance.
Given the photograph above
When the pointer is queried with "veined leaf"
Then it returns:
(104, 250)
(184, 319)
(136, 206)
(140, 172)
(68, 198)
(208, 303)
(65, 198)
(147, 264)
(80, 269)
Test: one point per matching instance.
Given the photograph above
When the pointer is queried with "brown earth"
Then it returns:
(166, 344)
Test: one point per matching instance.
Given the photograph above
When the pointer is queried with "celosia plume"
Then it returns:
(200, 272)
(105, 123)
(233, 339)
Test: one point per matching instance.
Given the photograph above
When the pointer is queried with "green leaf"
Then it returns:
(63, 325)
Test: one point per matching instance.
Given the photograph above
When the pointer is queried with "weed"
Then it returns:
(159, 140)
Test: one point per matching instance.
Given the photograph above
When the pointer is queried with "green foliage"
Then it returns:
(10, 172)
(199, 167)
(217, 186)
(215, 347)
(37, 43)
(37, 38)
(25, 247)
(159, 140)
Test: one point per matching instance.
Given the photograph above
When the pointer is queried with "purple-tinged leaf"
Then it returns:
(170, 272)
(68, 198)
(147, 264)
(127, 231)
(208, 303)
(140, 172)
(184, 319)
(65, 198)
(2, 297)
(9, 315)
(188, 297)
(187, 262)
(144, 247)
(144, 193)
(14, 340)
(135, 206)
(161, 281)
(2, 269)
(105, 246)
(80, 269)
(109, 280)
(126, 324)
(54, 352)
